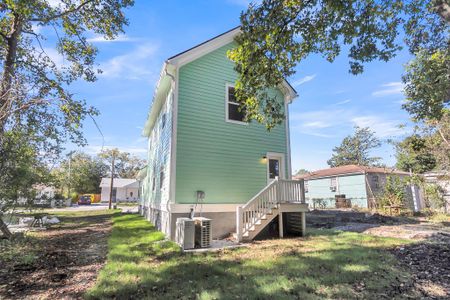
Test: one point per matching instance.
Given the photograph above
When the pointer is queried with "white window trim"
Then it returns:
(228, 85)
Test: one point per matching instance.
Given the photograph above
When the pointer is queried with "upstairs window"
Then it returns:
(233, 111)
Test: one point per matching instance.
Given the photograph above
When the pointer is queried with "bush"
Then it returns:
(434, 196)
(74, 197)
(393, 193)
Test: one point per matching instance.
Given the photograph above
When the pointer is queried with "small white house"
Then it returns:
(123, 189)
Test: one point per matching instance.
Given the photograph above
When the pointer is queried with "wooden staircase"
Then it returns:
(277, 197)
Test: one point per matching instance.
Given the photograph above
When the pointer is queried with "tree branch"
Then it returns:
(62, 14)
(23, 106)
(443, 136)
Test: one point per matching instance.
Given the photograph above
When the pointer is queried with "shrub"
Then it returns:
(434, 196)
(393, 193)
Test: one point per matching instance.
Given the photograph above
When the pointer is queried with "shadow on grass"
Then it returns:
(325, 264)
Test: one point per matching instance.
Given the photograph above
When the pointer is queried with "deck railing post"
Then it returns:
(239, 223)
(302, 191)
(278, 189)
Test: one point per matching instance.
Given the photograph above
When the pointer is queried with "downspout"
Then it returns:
(166, 72)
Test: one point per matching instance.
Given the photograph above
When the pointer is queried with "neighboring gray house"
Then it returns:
(360, 184)
(125, 190)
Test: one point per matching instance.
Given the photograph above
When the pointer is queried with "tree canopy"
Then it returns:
(427, 85)
(413, 155)
(81, 173)
(278, 34)
(44, 48)
(125, 164)
(355, 149)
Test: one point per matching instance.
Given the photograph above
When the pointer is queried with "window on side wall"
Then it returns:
(306, 186)
(163, 120)
(333, 184)
(154, 179)
(375, 180)
(161, 178)
(233, 111)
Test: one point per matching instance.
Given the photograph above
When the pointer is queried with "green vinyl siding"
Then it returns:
(352, 186)
(222, 159)
(158, 158)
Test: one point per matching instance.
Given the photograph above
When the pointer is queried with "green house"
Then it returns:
(361, 186)
(203, 157)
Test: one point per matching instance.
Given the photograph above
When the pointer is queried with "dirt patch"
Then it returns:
(70, 256)
(376, 224)
(429, 263)
(420, 231)
(340, 217)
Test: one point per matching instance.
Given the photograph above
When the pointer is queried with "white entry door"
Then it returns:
(275, 167)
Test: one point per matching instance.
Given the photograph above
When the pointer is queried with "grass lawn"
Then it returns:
(325, 264)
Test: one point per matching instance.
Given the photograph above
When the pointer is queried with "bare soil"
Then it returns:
(429, 263)
(427, 258)
(69, 258)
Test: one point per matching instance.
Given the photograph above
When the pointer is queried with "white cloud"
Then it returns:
(343, 102)
(338, 122)
(304, 80)
(93, 150)
(136, 64)
(56, 57)
(325, 115)
(317, 124)
(119, 38)
(391, 88)
(36, 28)
(339, 92)
(383, 128)
(54, 3)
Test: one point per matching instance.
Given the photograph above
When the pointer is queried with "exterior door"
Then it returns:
(274, 167)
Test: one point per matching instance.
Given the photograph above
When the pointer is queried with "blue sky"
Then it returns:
(331, 100)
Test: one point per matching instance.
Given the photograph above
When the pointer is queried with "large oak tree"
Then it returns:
(38, 110)
(278, 34)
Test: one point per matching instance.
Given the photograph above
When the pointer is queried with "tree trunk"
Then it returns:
(9, 68)
(4, 229)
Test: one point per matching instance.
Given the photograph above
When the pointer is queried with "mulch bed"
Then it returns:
(429, 264)
(68, 261)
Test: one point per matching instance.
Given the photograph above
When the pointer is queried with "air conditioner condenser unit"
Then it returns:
(185, 233)
(203, 232)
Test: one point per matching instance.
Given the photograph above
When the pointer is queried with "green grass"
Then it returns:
(439, 218)
(325, 264)
(128, 204)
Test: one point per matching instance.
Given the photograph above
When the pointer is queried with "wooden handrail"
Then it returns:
(276, 192)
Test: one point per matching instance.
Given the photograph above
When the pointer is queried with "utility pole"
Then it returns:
(70, 175)
(112, 179)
